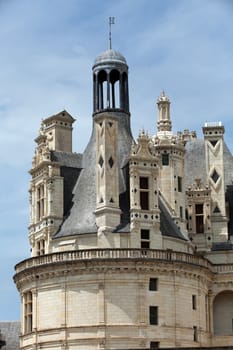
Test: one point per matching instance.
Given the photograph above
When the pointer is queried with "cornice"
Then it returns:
(52, 266)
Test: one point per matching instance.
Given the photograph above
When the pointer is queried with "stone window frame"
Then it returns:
(180, 183)
(194, 302)
(28, 312)
(153, 284)
(153, 315)
(144, 188)
(145, 238)
(165, 159)
(40, 201)
(40, 247)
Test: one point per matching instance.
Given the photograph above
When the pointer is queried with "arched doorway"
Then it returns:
(223, 313)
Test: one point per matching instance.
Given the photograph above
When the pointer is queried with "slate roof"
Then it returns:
(10, 332)
(167, 225)
(195, 165)
(81, 218)
(71, 160)
(79, 171)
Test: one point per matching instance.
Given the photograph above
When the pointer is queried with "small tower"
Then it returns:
(213, 136)
(170, 151)
(164, 120)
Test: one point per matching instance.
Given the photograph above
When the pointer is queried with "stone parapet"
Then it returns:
(103, 254)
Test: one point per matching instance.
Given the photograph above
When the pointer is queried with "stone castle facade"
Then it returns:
(131, 240)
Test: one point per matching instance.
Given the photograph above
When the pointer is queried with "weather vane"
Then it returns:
(111, 21)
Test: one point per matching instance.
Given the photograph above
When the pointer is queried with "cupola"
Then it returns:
(110, 82)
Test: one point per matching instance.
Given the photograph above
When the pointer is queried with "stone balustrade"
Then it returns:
(142, 254)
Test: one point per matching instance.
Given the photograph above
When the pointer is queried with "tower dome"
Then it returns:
(110, 82)
(110, 56)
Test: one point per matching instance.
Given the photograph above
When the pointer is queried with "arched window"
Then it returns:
(125, 97)
(223, 313)
(102, 90)
(115, 89)
(110, 90)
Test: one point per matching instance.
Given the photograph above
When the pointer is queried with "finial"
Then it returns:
(111, 21)
(163, 97)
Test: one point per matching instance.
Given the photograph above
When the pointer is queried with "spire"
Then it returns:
(110, 22)
(163, 97)
(164, 120)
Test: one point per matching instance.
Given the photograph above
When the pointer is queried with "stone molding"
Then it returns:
(117, 261)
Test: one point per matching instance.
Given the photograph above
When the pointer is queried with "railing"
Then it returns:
(224, 268)
(114, 254)
(212, 124)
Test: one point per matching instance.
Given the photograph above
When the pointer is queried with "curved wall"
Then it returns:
(104, 302)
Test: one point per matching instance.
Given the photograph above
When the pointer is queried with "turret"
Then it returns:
(164, 121)
(170, 150)
(113, 137)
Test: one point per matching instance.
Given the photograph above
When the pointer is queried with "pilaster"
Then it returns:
(107, 187)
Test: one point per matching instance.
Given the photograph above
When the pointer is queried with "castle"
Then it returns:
(131, 240)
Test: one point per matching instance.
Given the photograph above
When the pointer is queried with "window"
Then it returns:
(145, 239)
(154, 315)
(179, 184)
(28, 312)
(40, 245)
(154, 345)
(207, 311)
(40, 202)
(199, 218)
(194, 302)
(181, 212)
(144, 193)
(153, 285)
(165, 159)
(195, 335)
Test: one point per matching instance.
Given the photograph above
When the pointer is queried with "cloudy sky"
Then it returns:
(47, 49)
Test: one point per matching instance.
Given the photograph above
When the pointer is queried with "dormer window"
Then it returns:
(165, 159)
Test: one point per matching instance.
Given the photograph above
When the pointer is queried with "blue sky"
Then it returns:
(46, 56)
